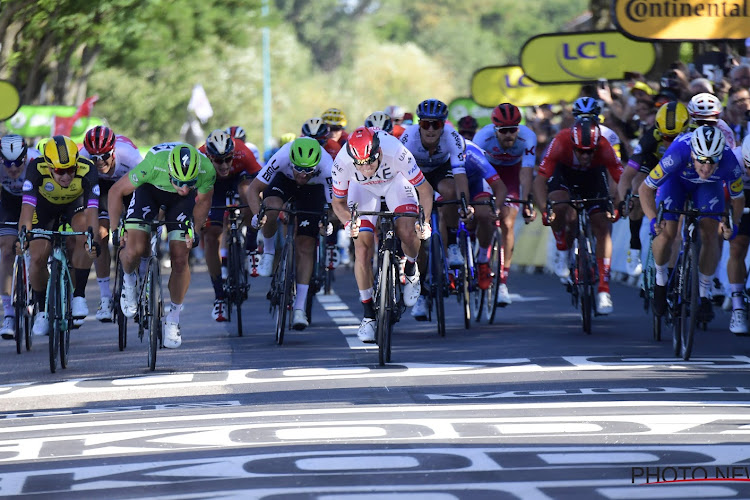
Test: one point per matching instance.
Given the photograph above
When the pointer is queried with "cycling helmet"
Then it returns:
(219, 143)
(506, 115)
(99, 140)
(316, 128)
(363, 145)
(237, 132)
(288, 137)
(334, 117)
(13, 148)
(586, 106)
(672, 118)
(184, 160)
(746, 150)
(586, 134)
(704, 106)
(381, 120)
(395, 112)
(467, 123)
(432, 109)
(305, 154)
(708, 142)
(61, 152)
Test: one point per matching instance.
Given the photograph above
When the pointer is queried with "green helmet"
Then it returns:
(305, 154)
(183, 162)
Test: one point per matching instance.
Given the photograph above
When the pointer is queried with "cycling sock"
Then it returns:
(604, 271)
(635, 234)
(174, 313)
(269, 245)
(662, 274)
(301, 298)
(560, 239)
(410, 267)
(738, 297)
(704, 283)
(369, 308)
(82, 278)
(8, 306)
(218, 285)
(223, 255)
(129, 279)
(452, 231)
(40, 298)
(104, 288)
(482, 255)
(365, 295)
(504, 275)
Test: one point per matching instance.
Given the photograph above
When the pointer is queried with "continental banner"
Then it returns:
(37, 121)
(495, 84)
(581, 57)
(679, 20)
(10, 101)
(462, 106)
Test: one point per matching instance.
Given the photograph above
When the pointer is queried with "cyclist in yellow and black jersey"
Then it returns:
(60, 184)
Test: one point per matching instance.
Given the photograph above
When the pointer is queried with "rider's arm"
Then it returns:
(499, 189)
(123, 187)
(202, 206)
(540, 192)
(426, 197)
(648, 200)
(253, 191)
(626, 179)
(340, 208)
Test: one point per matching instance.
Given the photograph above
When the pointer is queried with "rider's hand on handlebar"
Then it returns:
(423, 231)
(327, 230)
(257, 223)
(726, 232)
(353, 227)
(467, 214)
(656, 229)
(529, 214)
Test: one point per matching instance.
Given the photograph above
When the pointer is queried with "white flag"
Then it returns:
(199, 104)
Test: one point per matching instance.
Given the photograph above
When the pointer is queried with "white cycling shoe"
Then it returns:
(172, 336)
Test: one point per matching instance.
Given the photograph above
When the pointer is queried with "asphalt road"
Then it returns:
(527, 408)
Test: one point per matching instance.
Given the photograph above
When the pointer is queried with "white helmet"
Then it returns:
(708, 141)
(12, 147)
(381, 120)
(746, 151)
(237, 132)
(219, 143)
(704, 106)
(395, 112)
(316, 128)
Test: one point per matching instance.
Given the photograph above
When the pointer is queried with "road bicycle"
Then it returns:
(326, 259)
(436, 280)
(59, 294)
(23, 303)
(388, 291)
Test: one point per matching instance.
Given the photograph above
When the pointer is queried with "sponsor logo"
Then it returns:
(667, 161)
(28, 186)
(737, 186)
(657, 173)
(96, 190)
(49, 187)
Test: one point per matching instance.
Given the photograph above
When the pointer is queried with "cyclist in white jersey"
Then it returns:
(374, 164)
(439, 151)
(511, 149)
(16, 156)
(738, 250)
(114, 156)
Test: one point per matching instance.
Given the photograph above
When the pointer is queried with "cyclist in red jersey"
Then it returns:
(336, 121)
(580, 159)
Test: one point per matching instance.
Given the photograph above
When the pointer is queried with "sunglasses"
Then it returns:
(17, 163)
(101, 157)
(367, 161)
(711, 160)
(431, 124)
(179, 183)
(222, 159)
(62, 171)
(584, 151)
(303, 171)
(506, 130)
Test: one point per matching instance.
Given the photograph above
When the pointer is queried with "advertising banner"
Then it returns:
(462, 106)
(679, 20)
(10, 101)
(582, 57)
(495, 84)
(37, 121)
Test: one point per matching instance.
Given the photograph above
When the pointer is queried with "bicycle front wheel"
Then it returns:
(122, 321)
(466, 277)
(438, 280)
(689, 309)
(54, 314)
(584, 284)
(66, 323)
(496, 265)
(284, 282)
(154, 312)
(385, 292)
(235, 282)
(19, 303)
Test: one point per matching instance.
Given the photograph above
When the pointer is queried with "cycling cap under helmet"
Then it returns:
(316, 128)
(363, 145)
(334, 117)
(237, 132)
(704, 106)
(672, 118)
(13, 148)
(381, 120)
(586, 106)
(219, 143)
(61, 152)
(305, 154)
(432, 109)
(708, 142)
(586, 134)
(506, 115)
(183, 162)
(99, 140)
(467, 123)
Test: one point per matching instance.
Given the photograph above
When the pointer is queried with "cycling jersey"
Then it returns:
(154, 170)
(127, 157)
(522, 152)
(332, 147)
(40, 183)
(244, 163)
(560, 152)
(612, 138)
(648, 151)
(450, 149)
(478, 170)
(280, 164)
(725, 129)
(14, 187)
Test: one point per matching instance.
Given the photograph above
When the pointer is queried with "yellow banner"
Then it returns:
(10, 101)
(493, 85)
(577, 57)
(683, 19)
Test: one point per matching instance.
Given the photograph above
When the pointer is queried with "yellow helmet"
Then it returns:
(61, 152)
(672, 118)
(288, 137)
(334, 117)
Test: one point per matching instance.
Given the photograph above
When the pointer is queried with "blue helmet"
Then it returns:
(432, 109)
(586, 106)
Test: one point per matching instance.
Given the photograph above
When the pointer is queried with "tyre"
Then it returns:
(19, 303)
(465, 277)
(385, 285)
(584, 285)
(234, 279)
(496, 264)
(122, 321)
(284, 282)
(53, 311)
(437, 261)
(153, 317)
(690, 304)
(66, 322)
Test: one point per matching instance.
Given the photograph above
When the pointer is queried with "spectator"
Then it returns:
(737, 112)
(700, 85)
(740, 76)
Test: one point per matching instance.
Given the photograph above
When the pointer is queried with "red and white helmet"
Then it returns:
(704, 106)
(586, 133)
(363, 145)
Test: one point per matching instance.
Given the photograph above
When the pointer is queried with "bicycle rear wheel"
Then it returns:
(385, 292)
(438, 280)
(284, 282)
(584, 285)
(234, 282)
(19, 302)
(496, 265)
(122, 321)
(690, 306)
(53, 311)
(66, 322)
(466, 277)
(153, 316)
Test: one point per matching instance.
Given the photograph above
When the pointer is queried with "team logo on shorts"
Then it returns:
(49, 187)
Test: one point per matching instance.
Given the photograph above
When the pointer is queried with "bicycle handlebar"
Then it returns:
(355, 214)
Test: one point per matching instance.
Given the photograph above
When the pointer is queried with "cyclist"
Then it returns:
(738, 250)
(16, 156)
(114, 156)
(299, 170)
(579, 159)
(511, 149)
(671, 120)
(588, 106)
(320, 131)
(336, 121)
(379, 120)
(60, 183)
(397, 117)
(705, 109)
(235, 167)
(695, 166)
(467, 127)
(239, 133)
(440, 153)
(176, 176)
(374, 165)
